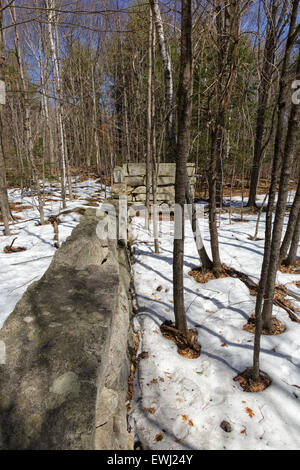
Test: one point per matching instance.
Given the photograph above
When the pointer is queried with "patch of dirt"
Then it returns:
(10, 249)
(92, 202)
(84, 173)
(249, 385)
(240, 220)
(186, 343)
(134, 362)
(277, 327)
(291, 269)
(18, 207)
(203, 276)
(262, 188)
(78, 210)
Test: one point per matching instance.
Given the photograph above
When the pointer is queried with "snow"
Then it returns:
(190, 398)
(19, 270)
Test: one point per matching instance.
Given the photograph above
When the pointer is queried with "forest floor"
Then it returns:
(180, 403)
(18, 270)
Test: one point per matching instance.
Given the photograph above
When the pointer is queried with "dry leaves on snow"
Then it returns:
(185, 418)
(151, 411)
(250, 412)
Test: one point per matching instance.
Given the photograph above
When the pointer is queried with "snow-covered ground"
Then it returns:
(179, 400)
(19, 270)
(180, 403)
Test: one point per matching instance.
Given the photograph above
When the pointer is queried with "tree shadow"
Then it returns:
(217, 303)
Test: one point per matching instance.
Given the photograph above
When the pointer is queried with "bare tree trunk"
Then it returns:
(149, 119)
(227, 28)
(95, 124)
(27, 120)
(214, 239)
(169, 87)
(171, 128)
(263, 93)
(294, 215)
(125, 97)
(44, 68)
(4, 206)
(155, 154)
(50, 5)
(183, 148)
(254, 238)
(292, 256)
(260, 320)
(289, 149)
(272, 192)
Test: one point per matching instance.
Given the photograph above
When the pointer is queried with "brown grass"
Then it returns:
(263, 188)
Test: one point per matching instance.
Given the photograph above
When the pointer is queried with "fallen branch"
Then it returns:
(10, 249)
(291, 294)
(54, 222)
(26, 283)
(253, 287)
(31, 260)
(186, 343)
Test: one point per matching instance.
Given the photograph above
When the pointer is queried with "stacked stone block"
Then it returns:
(130, 180)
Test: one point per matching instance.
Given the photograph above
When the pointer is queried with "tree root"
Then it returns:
(249, 385)
(186, 343)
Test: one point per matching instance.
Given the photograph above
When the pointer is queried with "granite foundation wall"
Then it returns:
(130, 180)
(68, 350)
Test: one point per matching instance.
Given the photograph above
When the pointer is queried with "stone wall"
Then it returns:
(130, 179)
(68, 350)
